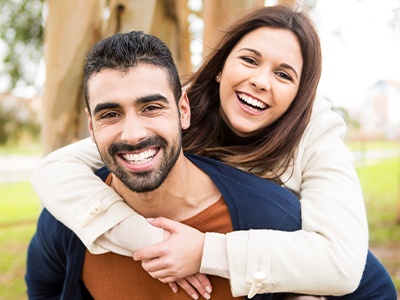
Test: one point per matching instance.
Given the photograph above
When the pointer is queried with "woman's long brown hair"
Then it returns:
(272, 152)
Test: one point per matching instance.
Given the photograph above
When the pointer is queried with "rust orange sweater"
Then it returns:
(112, 276)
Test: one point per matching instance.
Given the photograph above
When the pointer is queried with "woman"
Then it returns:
(252, 107)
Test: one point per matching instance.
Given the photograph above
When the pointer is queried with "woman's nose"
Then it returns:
(261, 80)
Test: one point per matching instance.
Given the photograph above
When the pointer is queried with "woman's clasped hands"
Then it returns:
(177, 259)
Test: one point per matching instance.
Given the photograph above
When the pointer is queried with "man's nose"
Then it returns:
(133, 130)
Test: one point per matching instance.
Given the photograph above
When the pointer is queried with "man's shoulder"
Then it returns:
(51, 232)
(215, 168)
(250, 198)
(235, 181)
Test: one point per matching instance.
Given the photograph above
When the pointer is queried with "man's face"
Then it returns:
(136, 125)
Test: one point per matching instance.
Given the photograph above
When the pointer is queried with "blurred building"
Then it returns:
(380, 116)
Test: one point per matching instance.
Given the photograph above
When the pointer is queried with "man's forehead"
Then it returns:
(141, 77)
(139, 81)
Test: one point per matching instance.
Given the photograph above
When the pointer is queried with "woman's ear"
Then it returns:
(218, 77)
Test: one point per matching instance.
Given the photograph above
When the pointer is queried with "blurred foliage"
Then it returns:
(19, 122)
(21, 32)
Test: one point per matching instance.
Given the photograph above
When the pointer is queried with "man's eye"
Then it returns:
(109, 115)
(150, 108)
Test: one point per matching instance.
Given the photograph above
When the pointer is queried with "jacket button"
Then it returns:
(259, 276)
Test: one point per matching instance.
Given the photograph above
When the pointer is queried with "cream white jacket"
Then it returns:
(326, 257)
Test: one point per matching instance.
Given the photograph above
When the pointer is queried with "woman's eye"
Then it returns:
(249, 60)
(284, 75)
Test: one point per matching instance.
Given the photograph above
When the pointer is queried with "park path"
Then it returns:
(15, 168)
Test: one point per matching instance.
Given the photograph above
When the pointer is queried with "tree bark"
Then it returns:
(128, 15)
(73, 26)
(217, 14)
(290, 3)
(171, 24)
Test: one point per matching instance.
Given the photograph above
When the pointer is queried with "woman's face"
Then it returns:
(260, 79)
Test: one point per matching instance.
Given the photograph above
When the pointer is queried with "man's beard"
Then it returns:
(146, 181)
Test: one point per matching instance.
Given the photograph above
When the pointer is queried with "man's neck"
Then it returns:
(185, 192)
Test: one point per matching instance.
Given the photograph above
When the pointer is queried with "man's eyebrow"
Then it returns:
(105, 105)
(152, 98)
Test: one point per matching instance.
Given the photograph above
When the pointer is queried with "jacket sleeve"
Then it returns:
(68, 188)
(326, 257)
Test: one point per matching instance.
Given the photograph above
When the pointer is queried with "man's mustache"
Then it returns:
(155, 141)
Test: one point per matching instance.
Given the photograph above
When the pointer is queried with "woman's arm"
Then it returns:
(68, 188)
(328, 255)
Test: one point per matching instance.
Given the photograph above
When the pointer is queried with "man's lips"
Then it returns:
(140, 157)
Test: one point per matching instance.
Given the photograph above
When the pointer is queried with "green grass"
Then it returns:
(381, 187)
(19, 203)
(19, 208)
(14, 243)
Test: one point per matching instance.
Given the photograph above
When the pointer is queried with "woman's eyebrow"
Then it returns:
(258, 53)
(290, 68)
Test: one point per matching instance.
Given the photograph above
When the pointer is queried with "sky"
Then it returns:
(359, 47)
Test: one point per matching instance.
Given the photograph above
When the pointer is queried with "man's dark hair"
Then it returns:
(124, 51)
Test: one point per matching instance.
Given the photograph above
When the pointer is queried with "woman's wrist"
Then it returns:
(215, 256)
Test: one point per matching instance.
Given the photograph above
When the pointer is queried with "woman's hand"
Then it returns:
(194, 285)
(175, 258)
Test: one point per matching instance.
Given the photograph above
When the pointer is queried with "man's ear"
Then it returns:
(90, 124)
(184, 109)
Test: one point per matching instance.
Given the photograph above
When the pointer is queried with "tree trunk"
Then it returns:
(290, 3)
(128, 15)
(171, 24)
(217, 14)
(73, 26)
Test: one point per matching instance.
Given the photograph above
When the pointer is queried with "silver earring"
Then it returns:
(216, 77)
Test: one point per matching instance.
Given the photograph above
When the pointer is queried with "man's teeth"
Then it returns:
(140, 158)
(251, 101)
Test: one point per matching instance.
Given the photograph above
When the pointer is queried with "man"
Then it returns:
(136, 111)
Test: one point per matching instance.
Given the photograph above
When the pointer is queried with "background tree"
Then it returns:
(219, 13)
(73, 26)
(21, 33)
